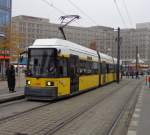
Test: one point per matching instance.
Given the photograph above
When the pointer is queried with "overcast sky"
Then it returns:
(94, 12)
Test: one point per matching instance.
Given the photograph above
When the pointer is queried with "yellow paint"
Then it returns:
(114, 76)
(65, 55)
(89, 81)
(63, 84)
(107, 78)
(110, 77)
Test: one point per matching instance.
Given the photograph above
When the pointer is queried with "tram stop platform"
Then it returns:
(6, 96)
(140, 122)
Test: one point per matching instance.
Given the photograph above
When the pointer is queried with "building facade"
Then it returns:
(104, 37)
(33, 28)
(133, 38)
(5, 20)
(145, 25)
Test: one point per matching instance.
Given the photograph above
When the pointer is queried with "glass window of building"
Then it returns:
(4, 17)
(5, 13)
(5, 3)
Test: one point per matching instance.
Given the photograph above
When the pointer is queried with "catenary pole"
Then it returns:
(118, 55)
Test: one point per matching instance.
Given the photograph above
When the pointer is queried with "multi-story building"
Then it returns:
(33, 28)
(132, 38)
(104, 37)
(5, 20)
(143, 25)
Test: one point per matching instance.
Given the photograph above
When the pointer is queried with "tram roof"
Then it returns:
(55, 42)
(105, 57)
(60, 43)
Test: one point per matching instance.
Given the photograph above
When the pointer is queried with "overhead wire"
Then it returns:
(87, 16)
(52, 5)
(119, 12)
(57, 9)
(127, 12)
(82, 12)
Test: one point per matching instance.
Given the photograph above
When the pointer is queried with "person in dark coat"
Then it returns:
(10, 75)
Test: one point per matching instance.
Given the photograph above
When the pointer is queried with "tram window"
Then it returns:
(88, 67)
(94, 67)
(62, 67)
(42, 62)
(111, 68)
(82, 67)
(107, 68)
(104, 68)
(35, 62)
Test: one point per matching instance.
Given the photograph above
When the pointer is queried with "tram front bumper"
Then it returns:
(41, 93)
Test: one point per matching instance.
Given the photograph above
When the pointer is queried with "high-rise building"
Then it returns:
(5, 20)
(5, 14)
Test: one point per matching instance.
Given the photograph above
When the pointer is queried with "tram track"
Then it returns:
(58, 119)
(37, 105)
(7, 104)
(61, 124)
(132, 98)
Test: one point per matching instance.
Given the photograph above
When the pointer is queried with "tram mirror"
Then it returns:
(35, 62)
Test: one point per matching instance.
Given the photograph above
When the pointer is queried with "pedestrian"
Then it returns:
(132, 74)
(10, 75)
(127, 74)
(137, 75)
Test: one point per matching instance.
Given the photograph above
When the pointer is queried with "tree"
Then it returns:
(12, 42)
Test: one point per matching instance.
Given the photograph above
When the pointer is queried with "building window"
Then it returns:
(4, 17)
(5, 3)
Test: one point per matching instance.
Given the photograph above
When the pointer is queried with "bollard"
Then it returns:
(146, 80)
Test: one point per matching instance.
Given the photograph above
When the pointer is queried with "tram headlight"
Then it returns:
(48, 83)
(28, 82)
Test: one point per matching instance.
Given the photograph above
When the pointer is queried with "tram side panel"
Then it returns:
(89, 76)
(88, 82)
(107, 73)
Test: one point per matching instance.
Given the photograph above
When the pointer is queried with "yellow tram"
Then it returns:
(58, 68)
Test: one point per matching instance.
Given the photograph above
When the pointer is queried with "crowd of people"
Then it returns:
(132, 74)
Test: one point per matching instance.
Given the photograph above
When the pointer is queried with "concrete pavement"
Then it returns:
(140, 123)
(6, 96)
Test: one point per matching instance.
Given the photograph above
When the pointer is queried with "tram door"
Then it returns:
(73, 72)
(104, 72)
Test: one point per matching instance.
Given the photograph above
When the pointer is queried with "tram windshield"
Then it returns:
(42, 62)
